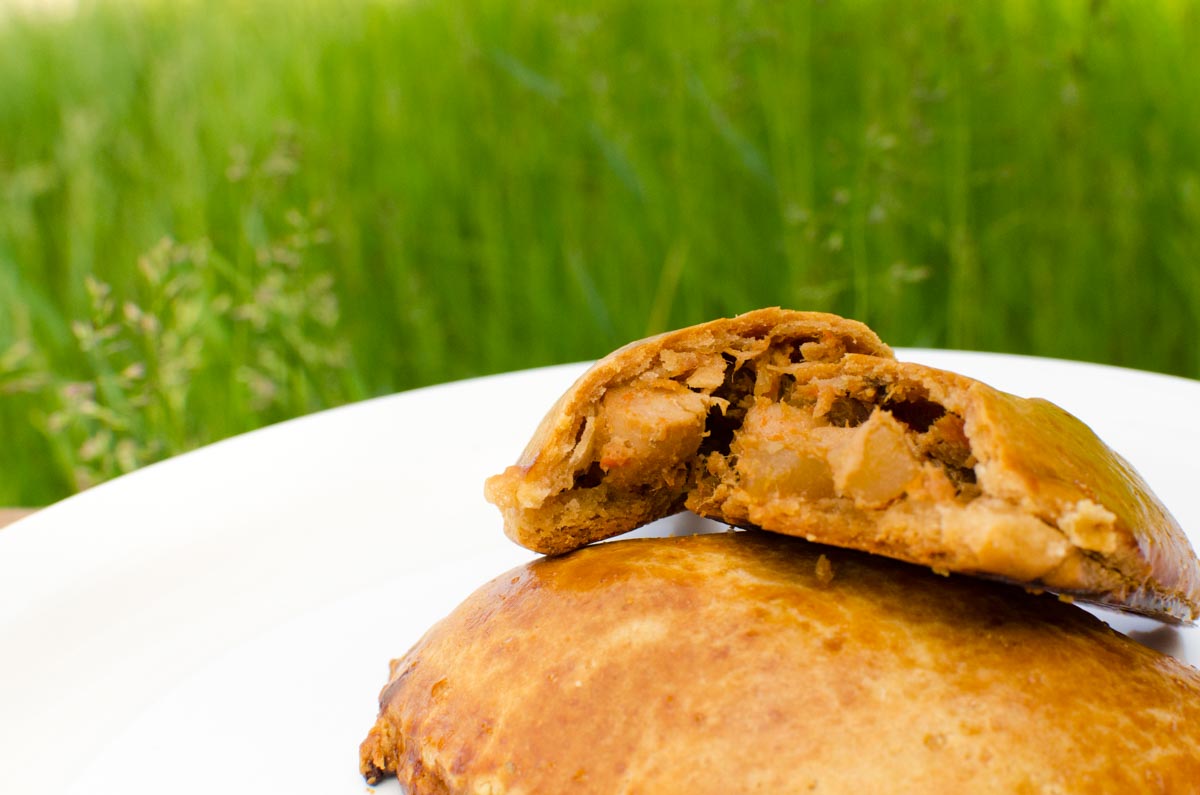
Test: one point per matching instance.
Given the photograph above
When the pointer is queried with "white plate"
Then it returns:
(221, 622)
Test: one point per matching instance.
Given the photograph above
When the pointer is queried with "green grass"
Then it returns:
(336, 200)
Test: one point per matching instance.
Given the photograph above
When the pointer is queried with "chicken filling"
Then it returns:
(787, 438)
(766, 426)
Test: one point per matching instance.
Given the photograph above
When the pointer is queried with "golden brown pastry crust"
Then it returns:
(751, 662)
(852, 448)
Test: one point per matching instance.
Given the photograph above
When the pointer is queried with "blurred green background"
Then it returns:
(217, 215)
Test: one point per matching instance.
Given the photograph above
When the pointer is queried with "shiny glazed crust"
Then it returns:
(752, 662)
(989, 483)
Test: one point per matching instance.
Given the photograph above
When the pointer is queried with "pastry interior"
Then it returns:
(857, 451)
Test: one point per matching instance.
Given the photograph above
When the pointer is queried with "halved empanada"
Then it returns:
(841, 444)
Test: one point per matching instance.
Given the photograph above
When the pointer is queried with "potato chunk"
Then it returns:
(779, 452)
(874, 464)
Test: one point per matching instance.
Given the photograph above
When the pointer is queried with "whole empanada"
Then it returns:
(750, 662)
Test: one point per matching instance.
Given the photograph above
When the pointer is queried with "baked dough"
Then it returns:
(617, 449)
(752, 662)
(852, 448)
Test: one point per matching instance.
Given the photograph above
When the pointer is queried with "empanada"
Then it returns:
(752, 662)
(766, 421)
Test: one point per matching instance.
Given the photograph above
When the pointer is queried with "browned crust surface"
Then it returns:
(750, 662)
(1060, 510)
(1054, 464)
